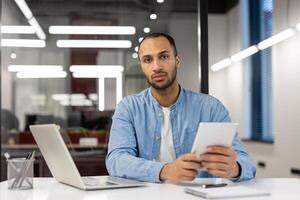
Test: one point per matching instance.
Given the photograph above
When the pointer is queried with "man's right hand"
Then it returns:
(183, 168)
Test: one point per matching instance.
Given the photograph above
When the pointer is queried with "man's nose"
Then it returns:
(156, 65)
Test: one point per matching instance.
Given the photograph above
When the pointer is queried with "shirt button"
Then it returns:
(157, 137)
(159, 114)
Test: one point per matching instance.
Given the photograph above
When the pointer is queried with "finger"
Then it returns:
(218, 172)
(190, 157)
(188, 173)
(191, 165)
(216, 165)
(220, 150)
(215, 158)
(186, 178)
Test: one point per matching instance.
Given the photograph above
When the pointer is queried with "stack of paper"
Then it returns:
(225, 192)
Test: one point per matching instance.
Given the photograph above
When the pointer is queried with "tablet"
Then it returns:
(213, 133)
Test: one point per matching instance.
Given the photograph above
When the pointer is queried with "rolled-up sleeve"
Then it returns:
(122, 158)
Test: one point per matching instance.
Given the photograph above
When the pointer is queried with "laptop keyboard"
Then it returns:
(90, 181)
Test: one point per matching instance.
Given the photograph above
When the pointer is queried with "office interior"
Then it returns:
(46, 77)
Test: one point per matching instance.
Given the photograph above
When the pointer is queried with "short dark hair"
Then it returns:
(155, 35)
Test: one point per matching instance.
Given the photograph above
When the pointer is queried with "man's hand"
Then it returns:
(220, 161)
(183, 168)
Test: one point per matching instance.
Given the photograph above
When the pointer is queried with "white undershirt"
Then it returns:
(166, 152)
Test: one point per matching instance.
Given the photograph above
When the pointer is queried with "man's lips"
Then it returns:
(158, 77)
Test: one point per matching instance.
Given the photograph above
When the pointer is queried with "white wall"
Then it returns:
(229, 86)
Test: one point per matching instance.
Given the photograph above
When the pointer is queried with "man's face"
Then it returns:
(158, 62)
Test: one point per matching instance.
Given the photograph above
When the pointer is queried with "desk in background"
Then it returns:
(50, 189)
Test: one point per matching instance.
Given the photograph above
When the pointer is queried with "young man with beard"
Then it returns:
(153, 132)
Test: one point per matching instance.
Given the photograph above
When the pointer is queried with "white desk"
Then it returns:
(49, 189)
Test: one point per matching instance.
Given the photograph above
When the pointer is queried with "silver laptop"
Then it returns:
(62, 166)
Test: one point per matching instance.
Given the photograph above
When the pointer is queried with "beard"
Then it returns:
(169, 82)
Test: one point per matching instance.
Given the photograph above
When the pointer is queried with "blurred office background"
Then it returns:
(54, 71)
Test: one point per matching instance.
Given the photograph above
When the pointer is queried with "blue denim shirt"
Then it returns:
(135, 134)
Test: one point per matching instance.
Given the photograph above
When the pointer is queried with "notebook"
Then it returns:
(225, 192)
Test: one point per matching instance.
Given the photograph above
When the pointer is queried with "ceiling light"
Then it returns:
(160, 1)
(13, 55)
(93, 43)
(41, 74)
(17, 29)
(153, 16)
(30, 68)
(39, 31)
(135, 55)
(244, 54)
(23, 43)
(101, 92)
(83, 102)
(87, 74)
(61, 97)
(141, 39)
(146, 29)
(298, 26)
(220, 65)
(97, 68)
(24, 8)
(136, 49)
(276, 39)
(93, 30)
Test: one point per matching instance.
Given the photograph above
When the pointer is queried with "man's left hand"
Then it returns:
(220, 161)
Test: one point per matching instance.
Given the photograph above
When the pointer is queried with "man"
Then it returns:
(153, 132)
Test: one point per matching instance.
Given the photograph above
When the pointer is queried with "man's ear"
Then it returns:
(178, 61)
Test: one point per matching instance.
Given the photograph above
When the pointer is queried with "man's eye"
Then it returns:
(147, 60)
(164, 57)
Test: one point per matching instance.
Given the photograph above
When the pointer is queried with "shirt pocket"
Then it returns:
(188, 138)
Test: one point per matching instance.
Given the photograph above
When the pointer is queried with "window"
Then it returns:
(260, 19)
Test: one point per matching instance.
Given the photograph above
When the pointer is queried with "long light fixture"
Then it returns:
(97, 68)
(30, 68)
(93, 30)
(93, 43)
(24, 8)
(298, 26)
(84, 102)
(244, 54)
(220, 65)
(75, 96)
(39, 31)
(23, 43)
(31, 20)
(101, 92)
(7, 29)
(41, 74)
(276, 38)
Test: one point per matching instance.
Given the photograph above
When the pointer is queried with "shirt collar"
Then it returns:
(177, 102)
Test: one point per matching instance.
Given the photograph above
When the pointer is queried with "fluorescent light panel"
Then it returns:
(97, 68)
(24, 8)
(93, 30)
(220, 65)
(28, 68)
(82, 74)
(93, 43)
(39, 31)
(61, 97)
(276, 39)
(40, 74)
(84, 102)
(298, 26)
(7, 29)
(244, 54)
(101, 92)
(23, 43)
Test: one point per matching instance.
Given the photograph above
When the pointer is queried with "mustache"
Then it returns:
(160, 73)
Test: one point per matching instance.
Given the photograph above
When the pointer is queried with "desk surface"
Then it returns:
(49, 189)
